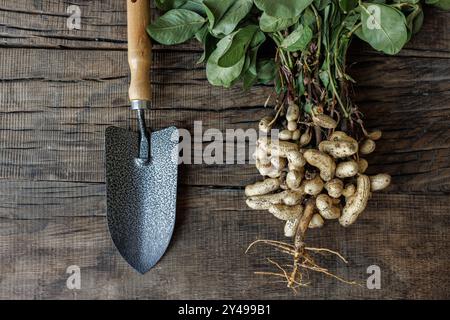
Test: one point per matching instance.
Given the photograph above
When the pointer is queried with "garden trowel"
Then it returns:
(141, 167)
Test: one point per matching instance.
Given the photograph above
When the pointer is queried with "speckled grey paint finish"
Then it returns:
(141, 198)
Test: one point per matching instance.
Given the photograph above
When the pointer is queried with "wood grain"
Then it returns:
(54, 116)
(60, 89)
(205, 259)
(42, 24)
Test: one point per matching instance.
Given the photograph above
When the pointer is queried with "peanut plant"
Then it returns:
(315, 171)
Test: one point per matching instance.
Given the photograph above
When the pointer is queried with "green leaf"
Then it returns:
(348, 5)
(279, 86)
(176, 26)
(266, 71)
(248, 80)
(249, 76)
(238, 47)
(351, 20)
(201, 34)
(217, 75)
(308, 107)
(229, 21)
(359, 33)
(250, 61)
(252, 53)
(442, 4)
(418, 22)
(194, 5)
(407, 1)
(308, 18)
(384, 27)
(324, 77)
(258, 39)
(169, 4)
(209, 43)
(215, 10)
(300, 85)
(321, 4)
(273, 24)
(298, 40)
(414, 21)
(283, 8)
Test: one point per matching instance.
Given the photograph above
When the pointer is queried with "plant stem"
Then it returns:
(319, 31)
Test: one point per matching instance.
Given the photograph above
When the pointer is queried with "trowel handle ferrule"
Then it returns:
(139, 49)
(140, 105)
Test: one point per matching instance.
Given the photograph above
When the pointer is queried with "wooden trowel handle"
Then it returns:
(139, 49)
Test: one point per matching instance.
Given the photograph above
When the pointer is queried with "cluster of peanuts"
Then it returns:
(294, 172)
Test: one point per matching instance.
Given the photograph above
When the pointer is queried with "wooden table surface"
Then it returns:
(60, 89)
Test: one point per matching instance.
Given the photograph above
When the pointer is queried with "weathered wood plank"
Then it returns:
(412, 109)
(49, 199)
(212, 233)
(55, 104)
(431, 41)
(42, 24)
(53, 119)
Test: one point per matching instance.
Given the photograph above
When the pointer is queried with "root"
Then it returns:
(296, 274)
(277, 244)
(328, 251)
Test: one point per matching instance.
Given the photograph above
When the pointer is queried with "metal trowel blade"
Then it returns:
(141, 197)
